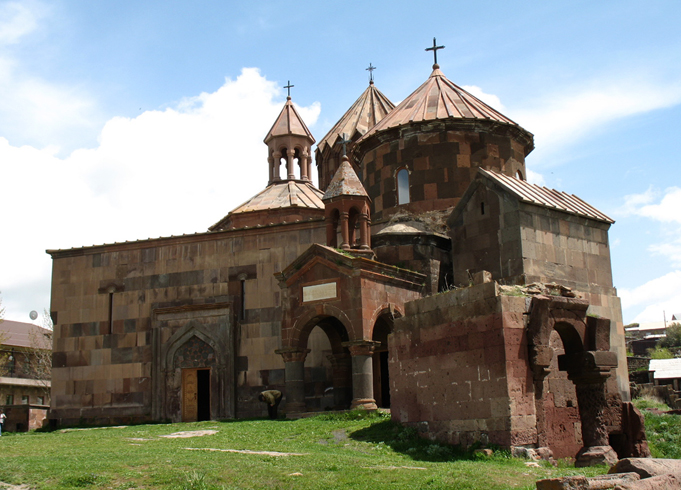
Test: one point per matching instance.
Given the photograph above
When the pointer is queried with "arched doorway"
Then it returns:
(195, 358)
(382, 328)
(327, 367)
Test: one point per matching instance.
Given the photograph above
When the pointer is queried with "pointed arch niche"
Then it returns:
(193, 356)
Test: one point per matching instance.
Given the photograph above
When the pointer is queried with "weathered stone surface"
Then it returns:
(596, 455)
(602, 482)
(648, 467)
(661, 482)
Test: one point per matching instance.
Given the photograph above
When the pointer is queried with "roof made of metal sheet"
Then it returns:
(370, 108)
(543, 196)
(289, 122)
(665, 368)
(438, 98)
(284, 194)
(20, 334)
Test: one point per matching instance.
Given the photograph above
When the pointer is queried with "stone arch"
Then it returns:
(587, 361)
(381, 327)
(210, 371)
(309, 319)
(192, 329)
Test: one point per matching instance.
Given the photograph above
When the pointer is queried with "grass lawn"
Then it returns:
(347, 451)
(662, 430)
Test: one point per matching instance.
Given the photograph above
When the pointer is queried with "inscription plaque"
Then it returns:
(319, 291)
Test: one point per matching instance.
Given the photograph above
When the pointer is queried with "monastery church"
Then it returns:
(422, 273)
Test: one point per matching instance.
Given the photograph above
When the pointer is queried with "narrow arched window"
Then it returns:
(519, 174)
(403, 186)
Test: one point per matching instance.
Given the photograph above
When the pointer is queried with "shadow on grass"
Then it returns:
(406, 440)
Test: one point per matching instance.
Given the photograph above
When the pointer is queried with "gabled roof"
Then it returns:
(345, 182)
(20, 334)
(543, 196)
(438, 98)
(345, 263)
(279, 195)
(370, 108)
(289, 122)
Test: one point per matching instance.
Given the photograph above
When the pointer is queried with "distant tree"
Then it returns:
(40, 354)
(673, 338)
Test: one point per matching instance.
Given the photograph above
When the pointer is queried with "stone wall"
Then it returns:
(520, 243)
(459, 368)
(442, 160)
(103, 372)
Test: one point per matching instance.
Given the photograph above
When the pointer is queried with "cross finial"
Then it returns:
(434, 50)
(371, 73)
(344, 141)
(288, 87)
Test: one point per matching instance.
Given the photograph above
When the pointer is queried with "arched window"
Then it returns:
(520, 175)
(403, 186)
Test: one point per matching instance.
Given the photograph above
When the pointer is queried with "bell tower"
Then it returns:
(289, 144)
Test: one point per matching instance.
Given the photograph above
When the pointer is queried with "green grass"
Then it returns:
(662, 431)
(347, 451)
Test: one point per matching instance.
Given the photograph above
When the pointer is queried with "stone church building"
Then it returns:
(422, 273)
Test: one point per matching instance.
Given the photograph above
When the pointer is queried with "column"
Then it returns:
(589, 371)
(290, 154)
(344, 231)
(276, 166)
(364, 231)
(294, 372)
(362, 373)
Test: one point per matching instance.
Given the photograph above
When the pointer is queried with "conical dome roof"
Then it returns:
(438, 98)
(370, 108)
(345, 182)
(288, 123)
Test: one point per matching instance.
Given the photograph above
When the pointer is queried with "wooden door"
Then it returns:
(190, 392)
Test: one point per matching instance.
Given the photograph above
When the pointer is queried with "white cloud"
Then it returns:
(666, 212)
(32, 110)
(659, 295)
(535, 178)
(560, 119)
(489, 99)
(164, 172)
(16, 20)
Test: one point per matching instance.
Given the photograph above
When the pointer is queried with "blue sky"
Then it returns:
(126, 120)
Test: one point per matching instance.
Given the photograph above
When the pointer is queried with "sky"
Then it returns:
(127, 120)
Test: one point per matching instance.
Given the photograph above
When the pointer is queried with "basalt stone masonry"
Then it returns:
(424, 274)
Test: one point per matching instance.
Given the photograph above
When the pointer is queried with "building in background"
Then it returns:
(25, 365)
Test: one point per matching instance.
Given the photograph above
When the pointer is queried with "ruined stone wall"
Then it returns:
(102, 373)
(459, 369)
(574, 252)
(442, 160)
(520, 243)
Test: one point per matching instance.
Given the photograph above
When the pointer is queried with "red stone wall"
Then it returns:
(441, 164)
(459, 369)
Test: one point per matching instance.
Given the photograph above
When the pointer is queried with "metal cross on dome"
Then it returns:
(371, 72)
(344, 141)
(434, 50)
(288, 87)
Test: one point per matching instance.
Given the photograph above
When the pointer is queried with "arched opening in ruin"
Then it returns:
(382, 328)
(328, 368)
(561, 410)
